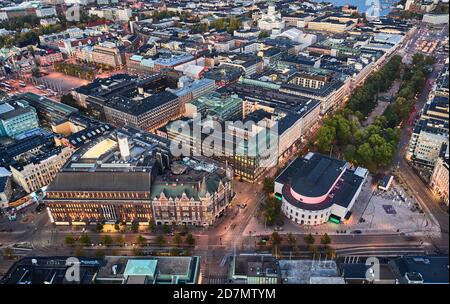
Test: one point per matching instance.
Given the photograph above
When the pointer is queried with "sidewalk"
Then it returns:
(376, 212)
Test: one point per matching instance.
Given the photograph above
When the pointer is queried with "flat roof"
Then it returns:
(140, 268)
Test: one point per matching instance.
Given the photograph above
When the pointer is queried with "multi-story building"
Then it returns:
(249, 64)
(17, 117)
(333, 23)
(299, 20)
(224, 75)
(126, 100)
(39, 169)
(5, 190)
(441, 87)
(289, 95)
(271, 21)
(27, 8)
(220, 107)
(279, 125)
(426, 143)
(192, 193)
(114, 270)
(430, 133)
(47, 109)
(109, 180)
(19, 149)
(255, 269)
(106, 53)
(439, 180)
(309, 80)
(148, 61)
(127, 175)
(48, 57)
(331, 94)
(112, 13)
(191, 90)
(317, 188)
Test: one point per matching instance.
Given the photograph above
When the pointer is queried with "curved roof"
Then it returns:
(315, 177)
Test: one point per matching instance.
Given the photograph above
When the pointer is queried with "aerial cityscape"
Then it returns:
(225, 142)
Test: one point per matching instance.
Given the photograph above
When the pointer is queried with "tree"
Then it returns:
(177, 240)
(69, 240)
(313, 250)
(429, 60)
(330, 252)
(135, 226)
(120, 240)
(291, 239)
(343, 130)
(166, 228)
(269, 184)
(263, 34)
(271, 211)
(309, 239)
(7, 252)
(99, 227)
(364, 154)
(85, 240)
(151, 226)
(141, 241)
(106, 240)
(160, 240)
(116, 227)
(275, 238)
(138, 251)
(349, 152)
(184, 230)
(190, 240)
(417, 58)
(175, 252)
(325, 239)
(35, 72)
(325, 138)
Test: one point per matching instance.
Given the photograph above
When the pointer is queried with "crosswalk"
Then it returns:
(216, 280)
(381, 251)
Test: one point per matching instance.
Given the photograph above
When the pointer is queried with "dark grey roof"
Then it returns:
(3, 182)
(14, 113)
(23, 145)
(325, 90)
(101, 181)
(315, 178)
(433, 269)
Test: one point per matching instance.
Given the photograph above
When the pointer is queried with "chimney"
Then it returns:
(124, 147)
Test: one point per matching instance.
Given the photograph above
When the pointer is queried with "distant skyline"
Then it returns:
(361, 4)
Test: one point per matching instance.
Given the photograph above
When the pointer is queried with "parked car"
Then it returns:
(40, 207)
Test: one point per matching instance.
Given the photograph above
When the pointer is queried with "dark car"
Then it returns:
(40, 207)
(356, 232)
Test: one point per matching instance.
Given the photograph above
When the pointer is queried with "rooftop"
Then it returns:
(129, 94)
(432, 269)
(316, 182)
